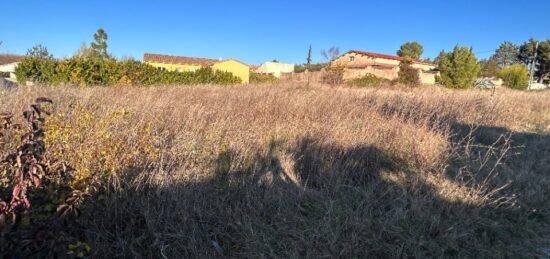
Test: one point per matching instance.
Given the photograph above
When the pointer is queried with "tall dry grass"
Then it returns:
(294, 171)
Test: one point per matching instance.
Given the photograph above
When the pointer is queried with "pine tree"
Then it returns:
(99, 46)
(542, 63)
(411, 50)
(506, 54)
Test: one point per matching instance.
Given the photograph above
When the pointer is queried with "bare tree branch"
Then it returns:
(331, 54)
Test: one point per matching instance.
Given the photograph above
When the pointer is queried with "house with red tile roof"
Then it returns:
(191, 64)
(357, 63)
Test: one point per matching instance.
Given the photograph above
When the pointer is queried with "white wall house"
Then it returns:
(9, 68)
(275, 68)
(8, 63)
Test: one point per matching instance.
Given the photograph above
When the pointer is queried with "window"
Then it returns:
(351, 58)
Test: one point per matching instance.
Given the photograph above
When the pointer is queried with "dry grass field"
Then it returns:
(288, 171)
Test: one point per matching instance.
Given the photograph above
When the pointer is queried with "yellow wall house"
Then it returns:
(181, 64)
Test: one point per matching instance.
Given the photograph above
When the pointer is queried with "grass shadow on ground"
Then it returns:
(314, 200)
(526, 168)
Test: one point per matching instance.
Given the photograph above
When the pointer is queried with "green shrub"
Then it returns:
(408, 75)
(260, 78)
(93, 71)
(458, 68)
(515, 76)
(310, 67)
(368, 80)
(36, 70)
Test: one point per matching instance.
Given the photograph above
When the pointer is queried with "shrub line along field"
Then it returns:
(286, 170)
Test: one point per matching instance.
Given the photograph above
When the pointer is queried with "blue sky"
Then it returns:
(257, 31)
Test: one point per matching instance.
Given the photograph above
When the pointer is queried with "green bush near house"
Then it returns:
(36, 70)
(458, 68)
(260, 78)
(368, 80)
(515, 76)
(310, 67)
(93, 72)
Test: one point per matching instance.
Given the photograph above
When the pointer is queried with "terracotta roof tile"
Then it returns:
(8, 58)
(168, 59)
(386, 56)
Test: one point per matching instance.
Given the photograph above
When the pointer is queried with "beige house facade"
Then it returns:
(275, 68)
(358, 63)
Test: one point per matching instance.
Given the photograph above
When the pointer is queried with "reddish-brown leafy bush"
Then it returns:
(26, 167)
(33, 184)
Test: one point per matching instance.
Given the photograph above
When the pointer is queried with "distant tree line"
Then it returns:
(459, 68)
(510, 62)
(93, 65)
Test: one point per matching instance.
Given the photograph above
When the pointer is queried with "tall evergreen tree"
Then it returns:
(99, 46)
(308, 60)
(542, 63)
(458, 68)
(506, 54)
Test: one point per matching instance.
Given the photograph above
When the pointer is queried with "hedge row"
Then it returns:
(92, 72)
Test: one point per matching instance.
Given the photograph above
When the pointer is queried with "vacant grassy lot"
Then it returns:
(289, 171)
